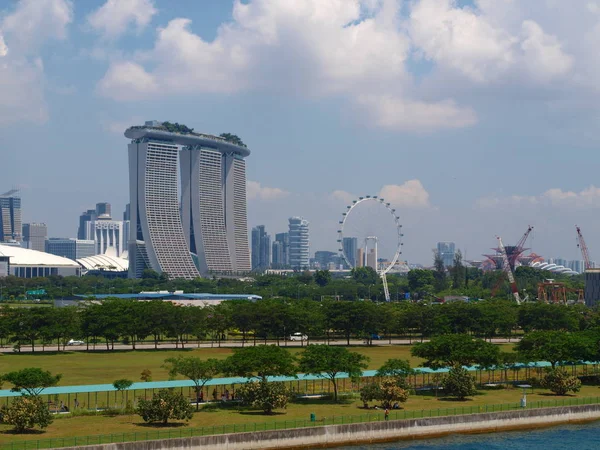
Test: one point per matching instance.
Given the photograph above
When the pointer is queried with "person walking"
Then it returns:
(387, 414)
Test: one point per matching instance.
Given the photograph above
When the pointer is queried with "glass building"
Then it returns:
(10, 216)
(446, 251)
(299, 243)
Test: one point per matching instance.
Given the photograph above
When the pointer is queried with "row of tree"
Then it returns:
(122, 320)
(362, 283)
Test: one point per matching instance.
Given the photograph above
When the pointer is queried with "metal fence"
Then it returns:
(371, 416)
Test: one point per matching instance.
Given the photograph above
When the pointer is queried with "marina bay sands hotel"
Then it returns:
(188, 203)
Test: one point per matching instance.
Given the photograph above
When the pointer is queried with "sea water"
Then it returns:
(576, 437)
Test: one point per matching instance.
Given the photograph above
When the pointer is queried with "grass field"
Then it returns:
(105, 367)
(66, 426)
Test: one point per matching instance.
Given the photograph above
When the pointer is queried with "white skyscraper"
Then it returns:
(207, 232)
(299, 252)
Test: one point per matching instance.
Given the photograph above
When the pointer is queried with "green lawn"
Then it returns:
(105, 367)
(66, 426)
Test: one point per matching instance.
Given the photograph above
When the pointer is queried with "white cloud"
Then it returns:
(255, 191)
(127, 81)
(543, 53)
(342, 196)
(3, 47)
(555, 197)
(410, 194)
(116, 16)
(22, 32)
(33, 22)
(397, 113)
(460, 38)
(21, 92)
(320, 48)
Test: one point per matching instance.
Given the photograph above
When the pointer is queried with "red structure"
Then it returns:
(514, 253)
(583, 247)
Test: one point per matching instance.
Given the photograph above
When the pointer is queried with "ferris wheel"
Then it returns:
(370, 232)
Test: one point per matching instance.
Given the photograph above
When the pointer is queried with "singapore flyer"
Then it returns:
(370, 235)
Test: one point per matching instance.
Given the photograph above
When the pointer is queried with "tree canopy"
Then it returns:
(32, 380)
(233, 138)
(198, 370)
(329, 361)
(261, 362)
(456, 350)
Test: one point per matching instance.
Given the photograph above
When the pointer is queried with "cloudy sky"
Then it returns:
(472, 117)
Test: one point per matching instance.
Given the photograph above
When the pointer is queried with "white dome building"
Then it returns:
(25, 263)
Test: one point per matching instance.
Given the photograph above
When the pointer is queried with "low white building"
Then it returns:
(25, 263)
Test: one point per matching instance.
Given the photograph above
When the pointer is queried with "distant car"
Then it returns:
(298, 337)
(74, 342)
(376, 337)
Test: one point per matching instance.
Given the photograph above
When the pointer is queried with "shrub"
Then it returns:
(370, 392)
(26, 412)
(560, 382)
(165, 405)
(264, 395)
(459, 383)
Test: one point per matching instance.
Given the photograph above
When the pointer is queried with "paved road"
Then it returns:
(227, 344)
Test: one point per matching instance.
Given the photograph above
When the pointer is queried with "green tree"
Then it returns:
(398, 369)
(32, 380)
(456, 350)
(556, 347)
(27, 412)
(459, 383)
(458, 271)
(365, 275)
(262, 361)
(234, 139)
(198, 370)
(420, 280)
(322, 277)
(165, 405)
(146, 375)
(121, 386)
(370, 392)
(328, 362)
(560, 382)
(440, 282)
(266, 396)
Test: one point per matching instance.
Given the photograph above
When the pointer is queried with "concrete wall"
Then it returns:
(334, 435)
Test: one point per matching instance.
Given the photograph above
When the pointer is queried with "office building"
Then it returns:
(280, 251)
(127, 213)
(108, 235)
(84, 218)
(350, 246)
(10, 216)
(103, 208)
(324, 259)
(34, 236)
(261, 248)
(206, 230)
(299, 243)
(591, 291)
(446, 252)
(71, 248)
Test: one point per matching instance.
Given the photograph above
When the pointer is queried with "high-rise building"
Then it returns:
(324, 259)
(261, 248)
(103, 208)
(280, 251)
(446, 252)
(34, 236)
(350, 246)
(206, 230)
(299, 243)
(10, 216)
(127, 213)
(592, 287)
(84, 218)
(108, 234)
(71, 248)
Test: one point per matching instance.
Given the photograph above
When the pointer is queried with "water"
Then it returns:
(578, 437)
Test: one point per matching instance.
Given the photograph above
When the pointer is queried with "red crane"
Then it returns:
(583, 248)
(519, 247)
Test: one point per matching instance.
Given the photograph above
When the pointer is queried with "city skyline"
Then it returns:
(424, 118)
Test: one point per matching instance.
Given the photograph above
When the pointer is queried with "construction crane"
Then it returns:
(519, 248)
(583, 247)
(508, 269)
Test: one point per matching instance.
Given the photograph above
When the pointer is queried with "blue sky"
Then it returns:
(475, 118)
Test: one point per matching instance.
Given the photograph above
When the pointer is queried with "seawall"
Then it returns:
(336, 435)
